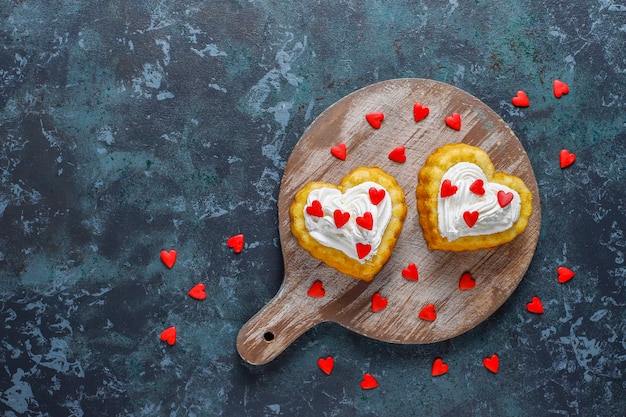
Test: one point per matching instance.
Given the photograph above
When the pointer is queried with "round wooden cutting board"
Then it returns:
(348, 301)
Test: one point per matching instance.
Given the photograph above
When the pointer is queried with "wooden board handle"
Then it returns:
(283, 319)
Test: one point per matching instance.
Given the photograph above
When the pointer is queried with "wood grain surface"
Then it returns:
(347, 300)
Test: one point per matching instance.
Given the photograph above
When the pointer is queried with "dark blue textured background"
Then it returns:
(128, 127)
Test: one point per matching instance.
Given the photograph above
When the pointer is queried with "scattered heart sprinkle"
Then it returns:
(466, 282)
(315, 209)
(470, 217)
(520, 99)
(339, 151)
(492, 363)
(366, 221)
(447, 189)
(439, 367)
(363, 249)
(375, 119)
(410, 272)
(376, 195)
(317, 290)
(559, 88)
(565, 274)
(428, 313)
(504, 198)
(535, 306)
(420, 112)
(566, 158)
(397, 155)
(378, 302)
(168, 257)
(169, 335)
(236, 242)
(197, 292)
(368, 382)
(454, 121)
(341, 218)
(478, 187)
(326, 364)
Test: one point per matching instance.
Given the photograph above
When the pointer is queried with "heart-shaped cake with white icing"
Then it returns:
(464, 205)
(352, 227)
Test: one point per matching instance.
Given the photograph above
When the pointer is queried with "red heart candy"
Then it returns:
(317, 290)
(428, 313)
(420, 112)
(326, 365)
(363, 249)
(535, 306)
(339, 151)
(375, 119)
(397, 155)
(376, 195)
(366, 221)
(492, 363)
(439, 367)
(559, 88)
(368, 382)
(477, 187)
(315, 209)
(470, 217)
(341, 217)
(447, 189)
(169, 335)
(566, 158)
(168, 258)
(565, 274)
(454, 121)
(520, 99)
(466, 282)
(504, 198)
(197, 292)
(236, 242)
(378, 302)
(410, 272)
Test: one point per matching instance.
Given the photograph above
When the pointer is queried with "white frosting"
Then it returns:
(356, 201)
(491, 217)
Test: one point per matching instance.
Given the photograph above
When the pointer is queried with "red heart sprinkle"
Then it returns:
(168, 258)
(566, 158)
(326, 365)
(363, 249)
(439, 367)
(378, 302)
(376, 195)
(470, 217)
(447, 189)
(466, 282)
(375, 119)
(428, 313)
(341, 217)
(420, 112)
(504, 198)
(339, 151)
(197, 292)
(520, 100)
(492, 363)
(169, 335)
(368, 382)
(397, 155)
(410, 272)
(317, 290)
(236, 242)
(565, 274)
(477, 187)
(535, 306)
(454, 121)
(366, 221)
(559, 88)
(315, 209)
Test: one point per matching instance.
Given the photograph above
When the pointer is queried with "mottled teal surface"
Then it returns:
(128, 127)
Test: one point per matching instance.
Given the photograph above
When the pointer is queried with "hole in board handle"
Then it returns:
(268, 337)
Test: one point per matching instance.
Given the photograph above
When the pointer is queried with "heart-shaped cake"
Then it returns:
(352, 227)
(464, 205)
